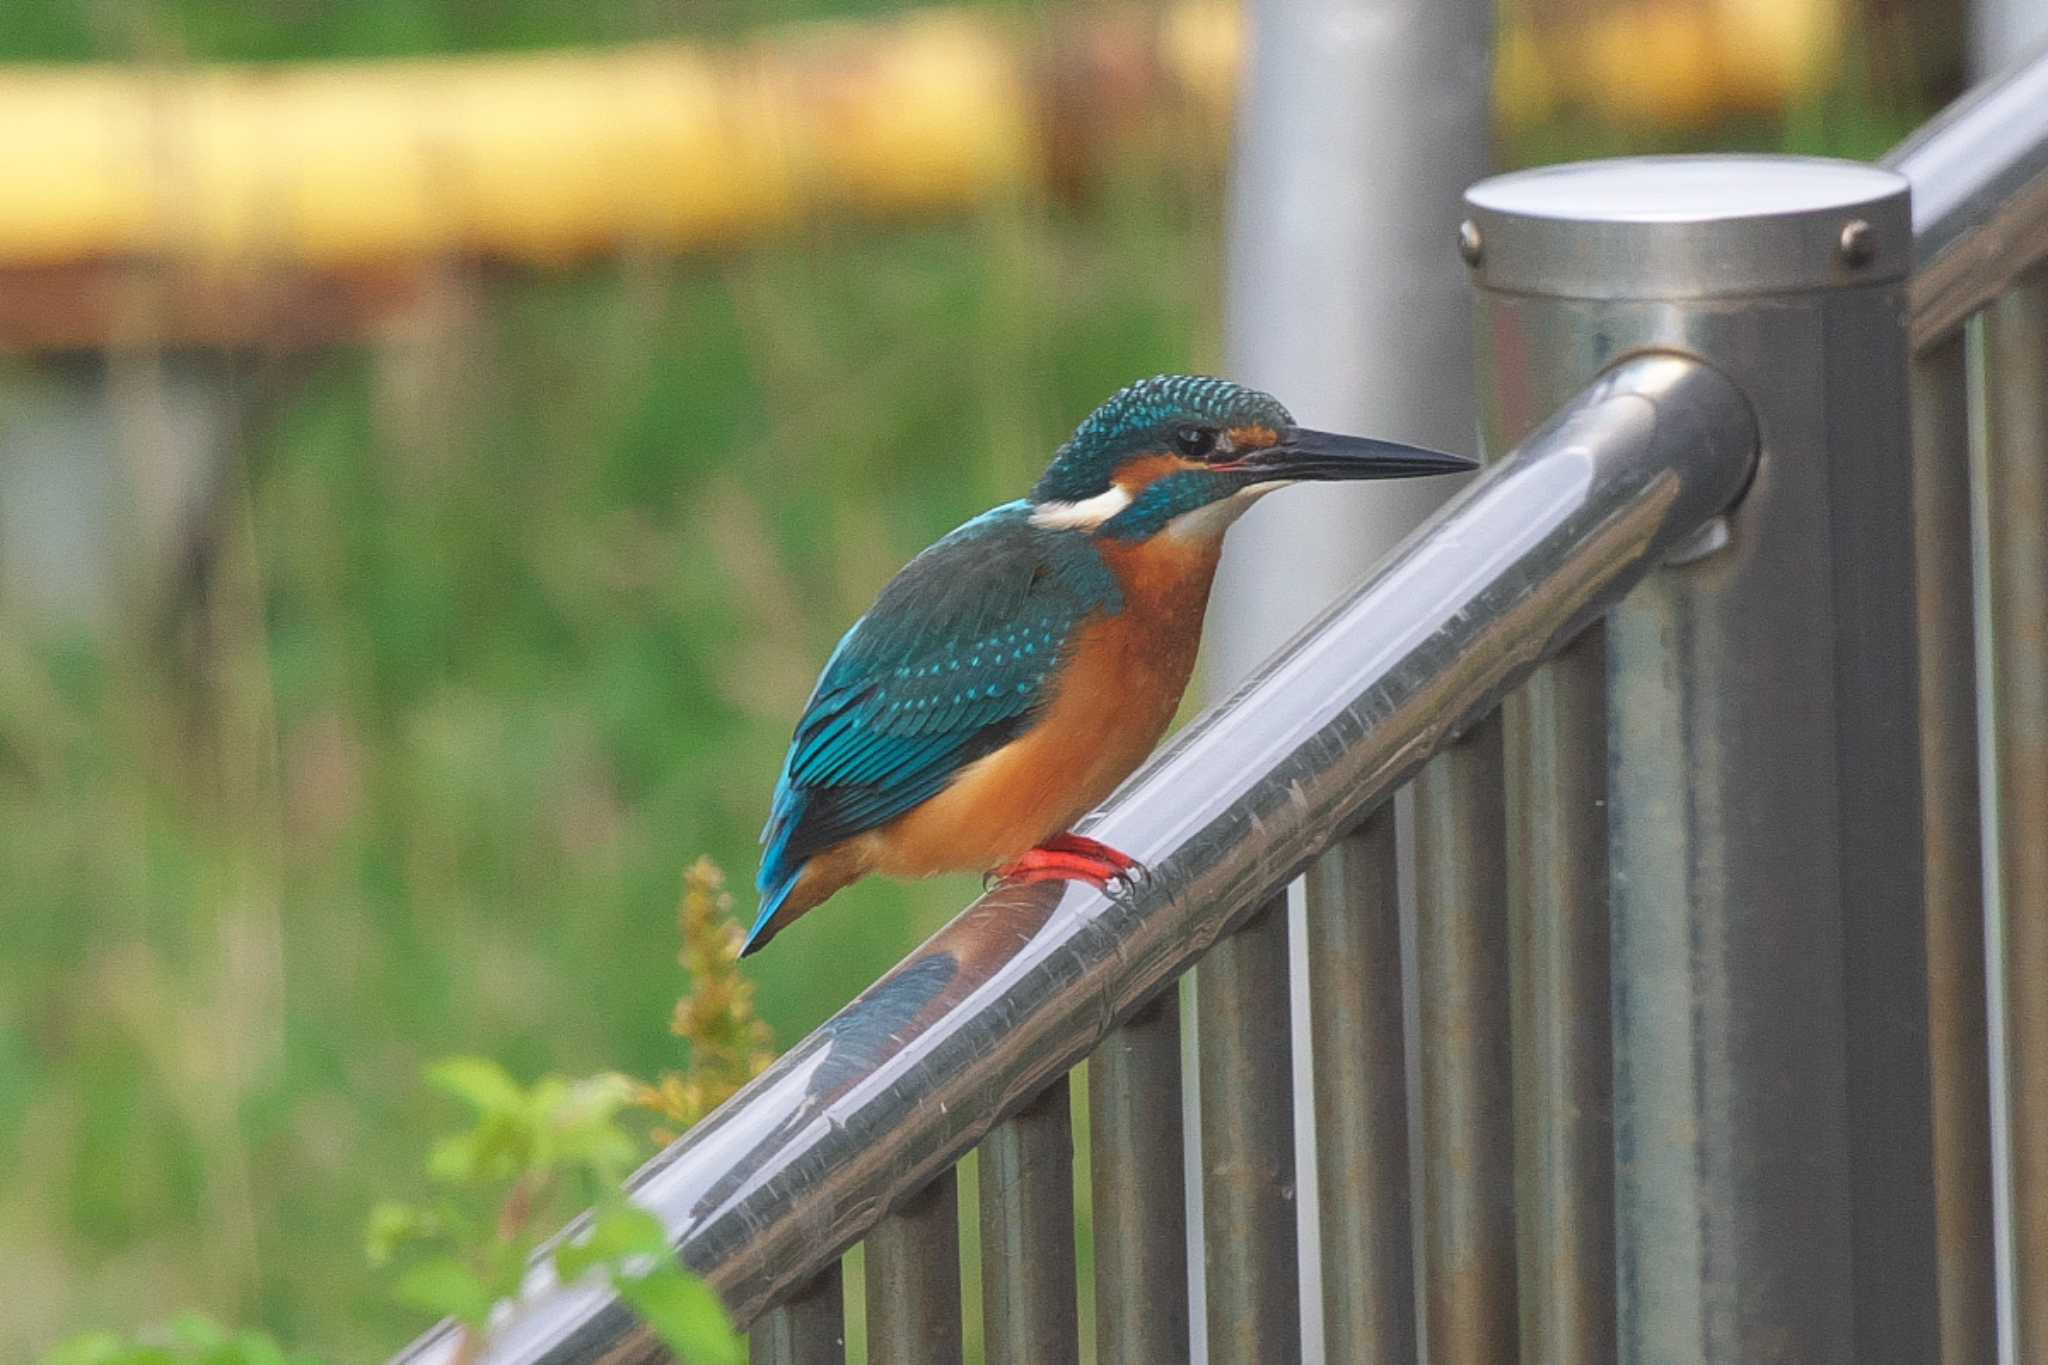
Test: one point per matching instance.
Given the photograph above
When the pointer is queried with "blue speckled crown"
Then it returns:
(1142, 417)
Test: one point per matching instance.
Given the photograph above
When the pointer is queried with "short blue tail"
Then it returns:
(772, 898)
(779, 875)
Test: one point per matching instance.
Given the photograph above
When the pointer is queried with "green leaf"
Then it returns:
(504, 1266)
(392, 1225)
(583, 1129)
(445, 1285)
(498, 1148)
(685, 1314)
(457, 1160)
(616, 1234)
(482, 1083)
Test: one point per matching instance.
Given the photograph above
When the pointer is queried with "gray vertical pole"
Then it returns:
(2014, 343)
(1771, 1105)
(2004, 31)
(913, 1280)
(1360, 125)
(1361, 1091)
(1555, 733)
(808, 1329)
(1029, 1307)
(1957, 1018)
(1461, 955)
(1253, 1307)
(1140, 1197)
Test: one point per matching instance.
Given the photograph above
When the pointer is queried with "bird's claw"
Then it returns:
(1130, 874)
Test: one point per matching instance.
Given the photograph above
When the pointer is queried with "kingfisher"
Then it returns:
(1020, 668)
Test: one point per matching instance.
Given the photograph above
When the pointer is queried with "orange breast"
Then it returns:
(1115, 698)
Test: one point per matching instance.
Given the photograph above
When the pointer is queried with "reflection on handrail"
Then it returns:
(1004, 1000)
(1980, 197)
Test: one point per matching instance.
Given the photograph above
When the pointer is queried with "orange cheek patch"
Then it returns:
(1144, 471)
(1253, 438)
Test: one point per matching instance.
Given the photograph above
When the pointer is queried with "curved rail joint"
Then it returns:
(1980, 197)
(905, 1080)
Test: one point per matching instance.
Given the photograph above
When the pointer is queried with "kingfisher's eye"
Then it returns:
(1195, 442)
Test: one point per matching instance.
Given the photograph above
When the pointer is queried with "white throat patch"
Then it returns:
(1084, 515)
(1217, 517)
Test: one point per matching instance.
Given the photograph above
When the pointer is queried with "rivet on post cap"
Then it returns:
(1469, 245)
(1859, 244)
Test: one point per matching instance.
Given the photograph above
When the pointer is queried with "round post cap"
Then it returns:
(1688, 227)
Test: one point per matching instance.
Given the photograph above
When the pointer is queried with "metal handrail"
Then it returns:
(905, 1080)
(1979, 174)
(1980, 197)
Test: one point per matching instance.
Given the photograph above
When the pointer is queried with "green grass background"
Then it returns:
(513, 612)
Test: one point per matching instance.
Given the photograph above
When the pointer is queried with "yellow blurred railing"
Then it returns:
(331, 176)
(533, 158)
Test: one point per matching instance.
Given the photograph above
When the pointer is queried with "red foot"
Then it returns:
(1091, 848)
(1069, 857)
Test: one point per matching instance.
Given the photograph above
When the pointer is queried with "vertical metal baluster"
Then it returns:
(1956, 1006)
(1137, 1174)
(809, 1329)
(2015, 331)
(1468, 1194)
(1030, 1312)
(1252, 1278)
(1361, 1099)
(1556, 740)
(913, 1280)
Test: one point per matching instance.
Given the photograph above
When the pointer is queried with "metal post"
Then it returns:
(1361, 1098)
(1556, 746)
(1461, 955)
(807, 1329)
(2004, 32)
(1141, 1226)
(1771, 1117)
(913, 1280)
(1249, 1206)
(1958, 1045)
(1360, 125)
(2015, 375)
(1028, 1290)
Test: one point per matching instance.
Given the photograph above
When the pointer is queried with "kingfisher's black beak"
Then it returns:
(1304, 454)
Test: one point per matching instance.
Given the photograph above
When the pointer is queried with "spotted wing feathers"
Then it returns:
(950, 664)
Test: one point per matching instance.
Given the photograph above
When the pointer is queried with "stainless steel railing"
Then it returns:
(860, 1117)
(2011, 357)
(1721, 786)
(1980, 317)
(1980, 198)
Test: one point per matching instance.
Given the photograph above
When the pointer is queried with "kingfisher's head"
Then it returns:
(1185, 454)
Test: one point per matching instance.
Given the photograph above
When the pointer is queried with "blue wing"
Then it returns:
(949, 665)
